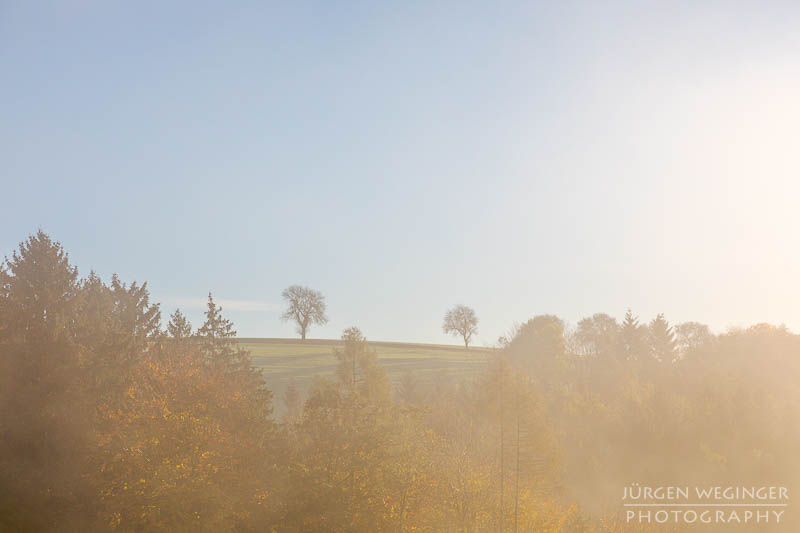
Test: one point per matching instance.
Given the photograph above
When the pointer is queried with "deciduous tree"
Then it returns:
(461, 321)
(305, 307)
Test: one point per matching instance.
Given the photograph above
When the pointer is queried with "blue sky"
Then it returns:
(520, 158)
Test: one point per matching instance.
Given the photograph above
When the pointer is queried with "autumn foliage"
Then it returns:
(111, 423)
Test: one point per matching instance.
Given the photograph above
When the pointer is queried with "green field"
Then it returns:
(283, 359)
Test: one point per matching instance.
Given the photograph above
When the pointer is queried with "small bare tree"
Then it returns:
(305, 307)
(461, 321)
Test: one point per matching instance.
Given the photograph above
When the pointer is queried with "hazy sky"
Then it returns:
(521, 158)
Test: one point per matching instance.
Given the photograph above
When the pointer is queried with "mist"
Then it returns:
(116, 420)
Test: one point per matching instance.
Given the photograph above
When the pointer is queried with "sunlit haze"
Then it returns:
(563, 158)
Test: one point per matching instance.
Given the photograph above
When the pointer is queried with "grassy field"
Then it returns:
(283, 359)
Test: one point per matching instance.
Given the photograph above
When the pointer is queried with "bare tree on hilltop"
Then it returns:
(461, 321)
(305, 307)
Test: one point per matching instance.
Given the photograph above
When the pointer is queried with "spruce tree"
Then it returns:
(631, 338)
(179, 326)
(41, 419)
(38, 288)
(218, 339)
(662, 339)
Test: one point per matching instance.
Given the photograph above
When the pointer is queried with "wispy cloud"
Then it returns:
(227, 305)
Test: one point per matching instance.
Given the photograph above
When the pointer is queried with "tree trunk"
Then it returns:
(516, 480)
(303, 322)
(502, 456)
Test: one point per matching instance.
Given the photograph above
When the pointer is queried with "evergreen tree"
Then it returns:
(38, 291)
(662, 340)
(218, 340)
(43, 421)
(632, 343)
(179, 326)
(132, 308)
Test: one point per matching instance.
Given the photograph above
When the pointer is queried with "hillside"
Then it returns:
(282, 359)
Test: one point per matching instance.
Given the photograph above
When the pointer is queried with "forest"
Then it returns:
(114, 418)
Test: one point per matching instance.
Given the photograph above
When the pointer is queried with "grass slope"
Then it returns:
(283, 359)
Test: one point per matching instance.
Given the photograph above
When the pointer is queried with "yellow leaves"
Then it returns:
(261, 497)
(182, 435)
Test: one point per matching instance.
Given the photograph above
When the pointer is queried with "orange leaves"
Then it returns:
(177, 438)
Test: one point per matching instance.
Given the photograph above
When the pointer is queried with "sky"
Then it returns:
(402, 157)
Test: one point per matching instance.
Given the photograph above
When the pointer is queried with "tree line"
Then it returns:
(111, 422)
